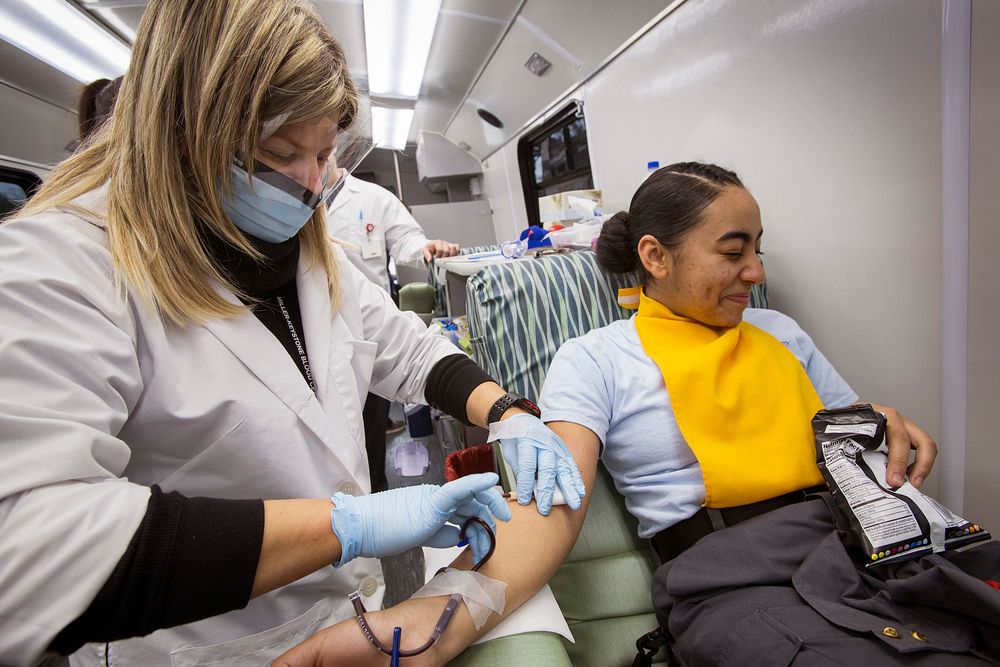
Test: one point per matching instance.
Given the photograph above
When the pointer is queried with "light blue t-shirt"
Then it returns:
(605, 382)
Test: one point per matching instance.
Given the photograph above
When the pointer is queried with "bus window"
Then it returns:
(555, 158)
(15, 188)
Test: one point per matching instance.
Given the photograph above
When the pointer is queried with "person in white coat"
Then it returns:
(183, 360)
(375, 225)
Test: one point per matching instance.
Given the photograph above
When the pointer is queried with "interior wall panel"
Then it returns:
(34, 130)
(502, 187)
(982, 465)
(830, 110)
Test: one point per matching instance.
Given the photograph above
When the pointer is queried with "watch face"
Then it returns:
(528, 405)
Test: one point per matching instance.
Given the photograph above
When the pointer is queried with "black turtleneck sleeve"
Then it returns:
(190, 558)
(451, 382)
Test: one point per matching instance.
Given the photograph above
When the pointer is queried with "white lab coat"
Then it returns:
(100, 398)
(361, 203)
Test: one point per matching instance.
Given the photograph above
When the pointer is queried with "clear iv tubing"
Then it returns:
(443, 620)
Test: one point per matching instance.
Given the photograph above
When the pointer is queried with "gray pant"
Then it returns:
(781, 589)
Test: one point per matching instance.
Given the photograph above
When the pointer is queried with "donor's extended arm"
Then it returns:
(530, 548)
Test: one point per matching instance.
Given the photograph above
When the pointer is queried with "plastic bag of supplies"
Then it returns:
(887, 524)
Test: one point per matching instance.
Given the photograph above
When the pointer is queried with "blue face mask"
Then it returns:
(273, 207)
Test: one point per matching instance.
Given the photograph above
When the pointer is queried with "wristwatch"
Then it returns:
(508, 401)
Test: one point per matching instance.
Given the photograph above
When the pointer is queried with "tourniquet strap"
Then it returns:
(670, 543)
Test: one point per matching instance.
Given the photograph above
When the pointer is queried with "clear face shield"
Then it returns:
(275, 202)
(350, 148)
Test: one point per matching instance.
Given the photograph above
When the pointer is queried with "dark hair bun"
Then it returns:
(615, 251)
(104, 101)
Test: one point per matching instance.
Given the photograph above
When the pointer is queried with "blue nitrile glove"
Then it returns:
(530, 447)
(387, 523)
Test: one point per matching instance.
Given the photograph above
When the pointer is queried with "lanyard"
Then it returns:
(299, 348)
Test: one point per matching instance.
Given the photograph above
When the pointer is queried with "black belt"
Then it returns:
(670, 543)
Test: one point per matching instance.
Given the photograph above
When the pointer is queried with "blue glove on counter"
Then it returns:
(530, 448)
(387, 523)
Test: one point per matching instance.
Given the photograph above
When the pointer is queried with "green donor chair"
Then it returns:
(519, 314)
(418, 298)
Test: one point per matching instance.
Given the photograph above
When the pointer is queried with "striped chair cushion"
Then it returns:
(521, 312)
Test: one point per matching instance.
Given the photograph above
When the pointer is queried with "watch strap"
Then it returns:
(508, 401)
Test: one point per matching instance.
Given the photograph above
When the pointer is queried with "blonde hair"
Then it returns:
(205, 75)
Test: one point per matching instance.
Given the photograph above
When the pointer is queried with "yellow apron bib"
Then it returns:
(742, 401)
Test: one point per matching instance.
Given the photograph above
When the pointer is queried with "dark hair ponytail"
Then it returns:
(86, 114)
(666, 206)
(614, 251)
(97, 100)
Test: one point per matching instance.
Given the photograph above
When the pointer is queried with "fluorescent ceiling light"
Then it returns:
(62, 36)
(398, 36)
(391, 127)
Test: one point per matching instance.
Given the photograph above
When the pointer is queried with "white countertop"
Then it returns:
(466, 265)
